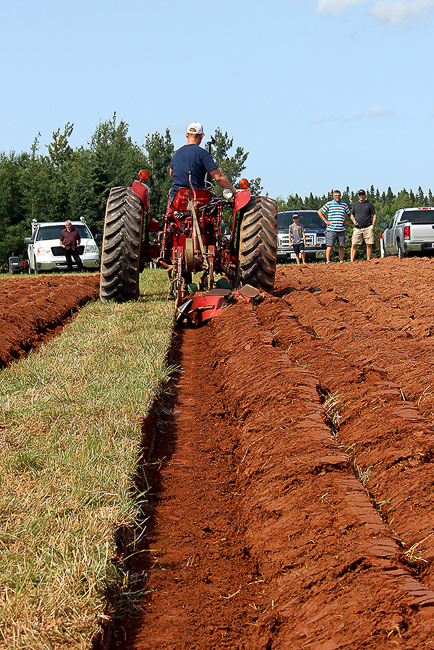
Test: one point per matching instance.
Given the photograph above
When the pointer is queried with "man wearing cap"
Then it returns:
(191, 158)
(297, 238)
(335, 215)
(364, 217)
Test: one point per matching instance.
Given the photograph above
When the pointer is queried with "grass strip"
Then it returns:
(69, 448)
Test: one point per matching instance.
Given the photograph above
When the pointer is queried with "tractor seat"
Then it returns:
(180, 201)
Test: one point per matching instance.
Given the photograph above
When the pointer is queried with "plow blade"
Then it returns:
(203, 306)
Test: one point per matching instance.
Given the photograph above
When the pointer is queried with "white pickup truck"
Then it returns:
(46, 254)
(411, 230)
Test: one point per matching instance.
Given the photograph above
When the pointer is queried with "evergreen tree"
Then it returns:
(159, 149)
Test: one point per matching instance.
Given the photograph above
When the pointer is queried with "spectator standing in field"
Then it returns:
(335, 215)
(364, 217)
(70, 241)
(297, 238)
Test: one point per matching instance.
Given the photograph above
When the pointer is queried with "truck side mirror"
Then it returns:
(98, 237)
(384, 224)
(27, 240)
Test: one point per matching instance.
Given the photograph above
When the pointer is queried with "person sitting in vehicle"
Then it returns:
(192, 159)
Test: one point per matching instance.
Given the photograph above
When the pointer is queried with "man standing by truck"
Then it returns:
(364, 218)
(70, 241)
(335, 215)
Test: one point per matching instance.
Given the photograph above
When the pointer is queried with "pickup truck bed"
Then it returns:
(410, 231)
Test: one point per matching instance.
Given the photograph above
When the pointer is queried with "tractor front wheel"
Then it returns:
(258, 243)
(120, 259)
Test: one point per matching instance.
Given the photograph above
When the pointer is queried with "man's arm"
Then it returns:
(374, 218)
(221, 179)
(326, 221)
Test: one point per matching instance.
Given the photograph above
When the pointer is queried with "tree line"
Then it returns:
(67, 183)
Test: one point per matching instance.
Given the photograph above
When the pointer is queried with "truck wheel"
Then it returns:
(258, 243)
(401, 253)
(120, 258)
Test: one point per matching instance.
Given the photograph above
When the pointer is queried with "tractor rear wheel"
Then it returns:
(258, 243)
(120, 259)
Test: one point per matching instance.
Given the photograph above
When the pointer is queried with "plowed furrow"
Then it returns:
(312, 529)
(390, 443)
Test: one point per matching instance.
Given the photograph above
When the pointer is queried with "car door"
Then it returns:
(391, 235)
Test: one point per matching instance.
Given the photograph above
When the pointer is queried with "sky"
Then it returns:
(322, 93)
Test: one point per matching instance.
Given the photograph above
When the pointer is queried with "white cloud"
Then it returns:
(372, 113)
(379, 112)
(395, 13)
(325, 120)
(330, 6)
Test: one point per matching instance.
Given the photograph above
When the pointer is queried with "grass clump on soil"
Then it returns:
(70, 440)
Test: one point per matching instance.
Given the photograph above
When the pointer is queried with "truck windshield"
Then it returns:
(308, 219)
(418, 216)
(53, 232)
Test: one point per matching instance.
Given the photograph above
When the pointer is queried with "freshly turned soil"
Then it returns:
(291, 473)
(290, 464)
(34, 309)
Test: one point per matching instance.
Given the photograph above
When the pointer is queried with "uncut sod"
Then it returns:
(69, 448)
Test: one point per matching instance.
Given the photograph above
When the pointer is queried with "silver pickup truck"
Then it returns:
(411, 230)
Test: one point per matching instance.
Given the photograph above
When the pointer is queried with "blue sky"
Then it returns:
(321, 93)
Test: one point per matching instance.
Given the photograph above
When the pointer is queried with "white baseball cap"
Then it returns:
(195, 128)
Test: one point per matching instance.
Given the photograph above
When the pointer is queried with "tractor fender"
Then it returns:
(142, 192)
(242, 198)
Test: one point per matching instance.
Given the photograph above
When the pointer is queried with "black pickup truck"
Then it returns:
(314, 230)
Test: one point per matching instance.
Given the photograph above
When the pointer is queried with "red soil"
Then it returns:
(33, 310)
(291, 472)
(292, 478)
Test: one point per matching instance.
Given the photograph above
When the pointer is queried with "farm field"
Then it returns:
(290, 472)
(70, 449)
(34, 309)
(292, 476)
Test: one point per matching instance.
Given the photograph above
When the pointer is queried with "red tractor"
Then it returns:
(191, 242)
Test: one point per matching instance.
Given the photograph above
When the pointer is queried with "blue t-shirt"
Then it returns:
(335, 213)
(194, 159)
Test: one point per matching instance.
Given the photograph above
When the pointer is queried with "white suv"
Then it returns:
(46, 254)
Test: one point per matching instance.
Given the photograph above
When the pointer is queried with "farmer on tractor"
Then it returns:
(192, 239)
(191, 159)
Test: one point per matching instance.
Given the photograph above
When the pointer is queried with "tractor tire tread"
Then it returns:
(258, 243)
(120, 259)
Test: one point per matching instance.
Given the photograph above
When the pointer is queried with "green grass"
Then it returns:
(69, 447)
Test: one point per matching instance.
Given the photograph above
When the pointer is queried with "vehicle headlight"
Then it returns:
(227, 193)
(91, 248)
(43, 250)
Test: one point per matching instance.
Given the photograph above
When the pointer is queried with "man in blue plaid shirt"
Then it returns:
(335, 215)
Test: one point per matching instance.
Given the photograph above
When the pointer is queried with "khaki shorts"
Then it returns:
(360, 234)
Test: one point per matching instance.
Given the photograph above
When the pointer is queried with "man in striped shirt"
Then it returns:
(335, 215)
